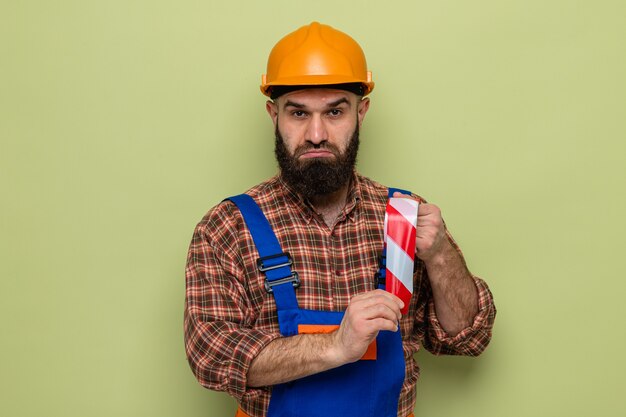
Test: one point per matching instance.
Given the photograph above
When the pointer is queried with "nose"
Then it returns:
(316, 130)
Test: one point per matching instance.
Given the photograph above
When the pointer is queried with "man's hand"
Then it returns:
(454, 290)
(366, 315)
(289, 358)
(430, 236)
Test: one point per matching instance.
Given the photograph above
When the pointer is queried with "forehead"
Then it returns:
(313, 97)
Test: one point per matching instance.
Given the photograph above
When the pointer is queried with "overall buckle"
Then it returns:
(294, 279)
(380, 279)
(380, 276)
(262, 265)
(382, 260)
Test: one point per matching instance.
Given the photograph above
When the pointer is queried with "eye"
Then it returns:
(335, 112)
(298, 114)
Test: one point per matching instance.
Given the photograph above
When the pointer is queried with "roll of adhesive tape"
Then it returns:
(400, 227)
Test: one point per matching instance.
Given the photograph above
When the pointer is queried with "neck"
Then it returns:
(330, 205)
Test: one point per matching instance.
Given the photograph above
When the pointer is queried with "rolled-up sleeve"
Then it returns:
(219, 339)
(472, 340)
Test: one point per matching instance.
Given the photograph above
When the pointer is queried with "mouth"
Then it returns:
(317, 153)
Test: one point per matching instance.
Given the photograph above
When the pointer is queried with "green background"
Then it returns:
(123, 122)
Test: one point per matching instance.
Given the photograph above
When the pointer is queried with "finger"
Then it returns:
(383, 324)
(398, 194)
(368, 311)
(370, 307)
(377, 292)
(389, 312)
(375, 295)
(427, 210)
(426, 233)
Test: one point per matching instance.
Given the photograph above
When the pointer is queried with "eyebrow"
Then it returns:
(335, 103)
(290, 103)
(338, 102)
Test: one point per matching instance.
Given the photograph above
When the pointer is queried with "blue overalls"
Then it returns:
(368, 387)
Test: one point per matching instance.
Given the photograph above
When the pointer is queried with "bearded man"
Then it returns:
(286, 308)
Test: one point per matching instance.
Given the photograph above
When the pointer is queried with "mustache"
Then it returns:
(302, 149)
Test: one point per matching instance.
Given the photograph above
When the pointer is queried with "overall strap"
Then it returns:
(382, 264)
(398, 190)
(279, 279)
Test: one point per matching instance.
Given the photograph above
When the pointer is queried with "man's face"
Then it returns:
(317, 137)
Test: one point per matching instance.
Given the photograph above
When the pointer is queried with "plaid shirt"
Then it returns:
(230, 318)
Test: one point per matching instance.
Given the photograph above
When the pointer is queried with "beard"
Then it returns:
(316, 176)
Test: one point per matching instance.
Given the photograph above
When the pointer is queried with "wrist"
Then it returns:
(335, 355)
(441, 257)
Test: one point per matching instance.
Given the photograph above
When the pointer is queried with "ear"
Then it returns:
(363, 107)
(272, 110)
